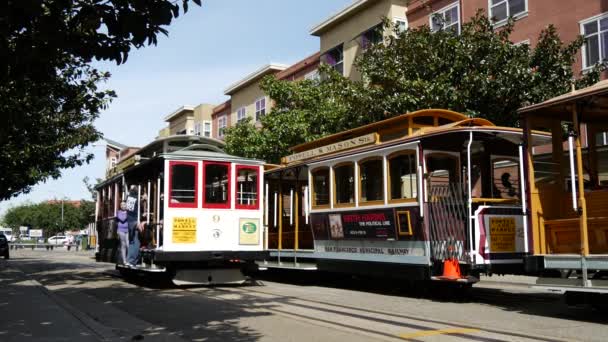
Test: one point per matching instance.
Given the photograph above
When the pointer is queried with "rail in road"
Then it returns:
(374, 323)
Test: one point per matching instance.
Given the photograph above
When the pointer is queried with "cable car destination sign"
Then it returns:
(331, 148)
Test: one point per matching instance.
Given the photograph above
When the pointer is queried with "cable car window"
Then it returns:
(182, 184)
(217, 185)
(505, 177)
(371, 180)
(403, 177)
(320, 187)
(344, 180)
(247, 187)
(442, 169)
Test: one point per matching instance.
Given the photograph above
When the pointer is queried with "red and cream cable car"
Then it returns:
(201, 208)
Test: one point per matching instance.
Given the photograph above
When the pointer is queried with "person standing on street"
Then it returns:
(132, 218)
(123, 231)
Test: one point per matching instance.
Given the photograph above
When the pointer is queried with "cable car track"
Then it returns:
(376, 316)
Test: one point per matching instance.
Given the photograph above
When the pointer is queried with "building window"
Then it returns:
(221, 124)
(112, 162)
(402, 176)
(217, 185)
(335, 58)
(182, 184)
(247, 187)
(197, 128)
(595, 32)
(344, 181)
(312, 76)
(320, 187)
(206, 129)
(447, 18)
(371, 36)
(371, 180)
(260, 108)
(500, 10)
(401, 24)
(241, 114)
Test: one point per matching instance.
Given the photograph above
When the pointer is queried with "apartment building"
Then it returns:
(571, 18)
(247, 99)
(345, 35)
(220, 118)
(193, 120)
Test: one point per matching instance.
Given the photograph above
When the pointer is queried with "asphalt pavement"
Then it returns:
(67, 296)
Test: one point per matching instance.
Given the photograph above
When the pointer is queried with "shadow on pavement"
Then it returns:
(134, 312)
(508, 299)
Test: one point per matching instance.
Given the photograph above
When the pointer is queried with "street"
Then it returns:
(67, 296)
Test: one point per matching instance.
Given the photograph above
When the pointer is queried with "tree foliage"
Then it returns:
(479, 72)
(49, 92)
(47, 216)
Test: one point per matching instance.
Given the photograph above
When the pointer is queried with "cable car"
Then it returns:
(428, 195)
(567, 180)
(200, 208)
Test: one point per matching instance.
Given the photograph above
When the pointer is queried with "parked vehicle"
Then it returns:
(58, 239)
(4, 246)
(8, 233)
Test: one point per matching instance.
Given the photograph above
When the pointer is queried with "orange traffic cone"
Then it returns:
(451, 269)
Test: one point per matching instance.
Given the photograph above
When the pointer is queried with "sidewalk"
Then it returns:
(28, 311)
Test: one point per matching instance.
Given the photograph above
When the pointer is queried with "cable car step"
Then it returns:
(143, 268)
(305, 266)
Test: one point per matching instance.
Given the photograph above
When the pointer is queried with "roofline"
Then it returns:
(179, 111)
(114, 144)
(315, 58)
(601, 87)
(263, 71)
(221, 107)
(336, 17)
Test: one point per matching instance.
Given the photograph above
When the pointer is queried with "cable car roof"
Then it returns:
(593, 102)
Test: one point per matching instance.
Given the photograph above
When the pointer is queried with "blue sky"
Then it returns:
(207, 49)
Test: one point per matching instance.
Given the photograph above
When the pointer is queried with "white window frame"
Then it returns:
(401, 19)
(113, 161)
(221, 125)
(523, 42)
(261, 111)
(504, 21)
(442, 13)
(206, 132)
(582, 24)
(241, 114)
(197, 128)
(341, 46)
(313, 75)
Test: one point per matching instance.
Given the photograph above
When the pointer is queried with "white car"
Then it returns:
(58, 240)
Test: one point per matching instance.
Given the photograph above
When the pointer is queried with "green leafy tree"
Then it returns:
(49, 92)
(47, 216)
(479, 72)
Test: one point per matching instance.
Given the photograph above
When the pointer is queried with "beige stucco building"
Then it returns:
(344, 35)
(193, 120)
(247, 99)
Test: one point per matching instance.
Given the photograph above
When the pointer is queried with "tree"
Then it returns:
(47, 216)
(479, 72)
(49, 93)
